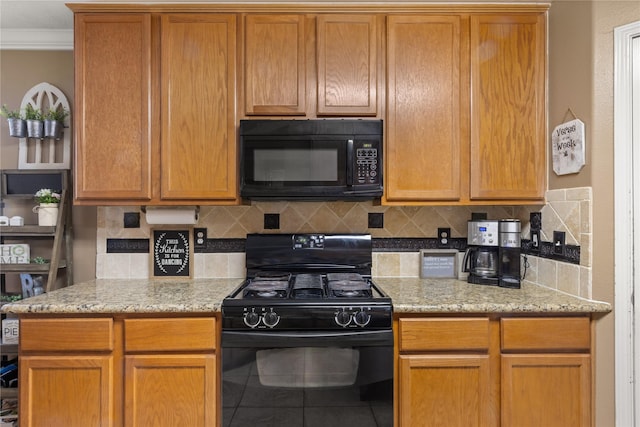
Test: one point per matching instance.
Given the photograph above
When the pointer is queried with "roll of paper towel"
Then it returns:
(177, 215)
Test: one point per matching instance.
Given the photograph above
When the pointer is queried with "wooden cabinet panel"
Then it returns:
(70, 391)
(546, 334)
(546, 390)
(425, 119)
(444, 390)
(170, 334)
(508, 122)
(64, 334)
(347, 64)
(198, 62)
(113, 106)
(275, 71)
(170, 390)
(443, 334)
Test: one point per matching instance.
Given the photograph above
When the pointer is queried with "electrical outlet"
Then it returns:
(199, 238)
(444, 237)
(535, 240)
(558, 242)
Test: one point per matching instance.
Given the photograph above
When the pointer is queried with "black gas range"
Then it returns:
(306, 282)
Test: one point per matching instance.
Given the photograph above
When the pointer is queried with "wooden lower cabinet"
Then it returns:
(444, 390)
(114, 371)
(546, 390)
(493, 371)
(546, 371)
(66, 390)
(170, 390)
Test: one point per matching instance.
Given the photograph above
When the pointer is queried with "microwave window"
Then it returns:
(291, 165)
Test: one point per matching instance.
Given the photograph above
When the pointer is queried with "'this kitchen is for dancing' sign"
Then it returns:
(172, 253)
(567, 141)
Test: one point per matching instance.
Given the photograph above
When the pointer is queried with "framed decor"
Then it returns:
(172, 253)
(439, 264)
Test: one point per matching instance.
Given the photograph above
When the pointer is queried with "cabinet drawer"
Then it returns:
(444, 334)
(546, 334)
(70, 335)
(170, 334)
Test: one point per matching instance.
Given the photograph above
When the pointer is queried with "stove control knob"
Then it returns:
(251, 319)
(343, 318)
(362, 318)
(271, 319)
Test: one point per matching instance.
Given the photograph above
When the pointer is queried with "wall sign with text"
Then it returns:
(567, 142)
(172, 253)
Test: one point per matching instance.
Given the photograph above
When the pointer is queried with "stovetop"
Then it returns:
(307, 281)
(307, 286)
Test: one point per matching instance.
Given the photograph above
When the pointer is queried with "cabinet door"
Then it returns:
(170, 390)
(443, 390)
(113, 106)
(198, 154)
(275, 65)
(508, 123)
(347, 64)
(70, 391)
(546, 390)
(425, 119)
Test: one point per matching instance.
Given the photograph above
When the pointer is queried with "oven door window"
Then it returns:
(294, 163)
(308, 386)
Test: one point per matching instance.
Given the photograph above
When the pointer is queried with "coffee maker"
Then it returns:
(481, 257)
(509, 253)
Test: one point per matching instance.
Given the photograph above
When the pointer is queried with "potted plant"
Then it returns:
(54, 122)
(47, 209)
(17, 124)
(35, 125)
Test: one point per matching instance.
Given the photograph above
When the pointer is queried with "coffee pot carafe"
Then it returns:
(481, 257)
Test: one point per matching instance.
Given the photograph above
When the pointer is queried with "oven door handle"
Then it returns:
(270, 339)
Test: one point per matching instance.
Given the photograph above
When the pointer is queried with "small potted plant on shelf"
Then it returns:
(17, 124)
(47, 209)
(35, 124)
(54, 122)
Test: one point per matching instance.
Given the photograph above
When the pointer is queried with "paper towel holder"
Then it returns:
(171, 214)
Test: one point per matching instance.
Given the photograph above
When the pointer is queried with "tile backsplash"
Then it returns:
(567, 210)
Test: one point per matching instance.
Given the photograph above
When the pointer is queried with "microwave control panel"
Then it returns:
(367, 162)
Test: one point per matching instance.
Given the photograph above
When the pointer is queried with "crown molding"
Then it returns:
(36, 39)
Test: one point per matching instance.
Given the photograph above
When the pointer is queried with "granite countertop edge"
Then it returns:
(409, 295)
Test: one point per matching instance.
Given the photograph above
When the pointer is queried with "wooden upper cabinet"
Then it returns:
(275, 76)
(508, 110)
(198, 144)
(113, 106)
(425, 118)
(347, 64)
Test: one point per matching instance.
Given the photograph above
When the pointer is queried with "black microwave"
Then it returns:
(311, 159)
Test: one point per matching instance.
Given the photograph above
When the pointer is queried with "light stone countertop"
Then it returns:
(130, 296)
(409, 295)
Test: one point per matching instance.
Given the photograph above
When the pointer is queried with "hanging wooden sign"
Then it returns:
(568, 147)
(172, 254)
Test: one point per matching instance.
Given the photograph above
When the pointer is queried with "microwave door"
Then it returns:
(294, 166)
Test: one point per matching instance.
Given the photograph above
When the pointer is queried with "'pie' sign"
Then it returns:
(567, 141)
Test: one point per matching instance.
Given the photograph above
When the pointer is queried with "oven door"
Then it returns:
(301, 379)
